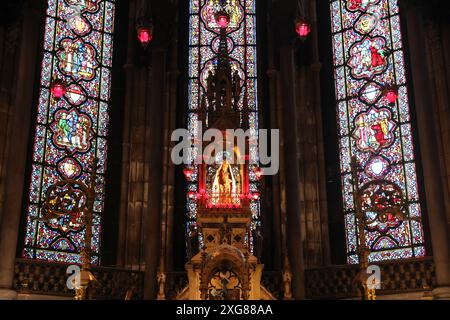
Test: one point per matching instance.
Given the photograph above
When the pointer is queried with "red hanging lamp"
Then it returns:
(144, 25)
(256, 195)
(302, 28)
(192, 195)
(222, 19)
(58, 88)
(391, 94)
(145, 35)
(188, 172)
(302, 25)
(258, 173)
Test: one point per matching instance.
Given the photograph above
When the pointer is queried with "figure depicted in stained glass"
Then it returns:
(377, 59)
(368, 58)
(84, 5)
(375, 63)
(374, 130)
(77, 59)
(71, 139)
(72, 130)
(232, 7)
(209, 15)
(360, 5)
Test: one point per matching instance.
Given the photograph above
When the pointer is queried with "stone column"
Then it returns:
(130, 74)
(9, 49)
(30, 45)
(316, 103)
(428, 143)
(169, 169)
(295, 243)
(152, 224)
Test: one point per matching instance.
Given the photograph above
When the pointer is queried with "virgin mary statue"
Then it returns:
(224, 185)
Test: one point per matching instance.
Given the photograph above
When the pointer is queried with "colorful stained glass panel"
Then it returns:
(71, 132)
(368, 57)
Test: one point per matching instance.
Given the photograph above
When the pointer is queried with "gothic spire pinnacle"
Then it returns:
(223, 57)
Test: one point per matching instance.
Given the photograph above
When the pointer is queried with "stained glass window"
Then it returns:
(204, 39)
(368, 58)
(72, 131)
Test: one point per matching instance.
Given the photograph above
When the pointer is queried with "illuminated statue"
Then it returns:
(224, 185)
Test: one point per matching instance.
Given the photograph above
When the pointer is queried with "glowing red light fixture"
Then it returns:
(223, 19)
(192, 195)
(391, 94)
(256, 195)
(188, 173)
(145, 35)
(258, 173)
(303, 28)
(58, 88)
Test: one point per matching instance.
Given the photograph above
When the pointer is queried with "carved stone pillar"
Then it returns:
(309, 172)
(152, 222)
(23, 105)
(131, 77)
(9, 46)
(316, 106)
(426, 124)
(295, 243)
(438, 44)
(169, 168)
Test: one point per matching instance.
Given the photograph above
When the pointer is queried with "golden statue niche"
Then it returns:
(224, 185)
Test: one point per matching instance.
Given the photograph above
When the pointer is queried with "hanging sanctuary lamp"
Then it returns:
(302, 25)
(144, 24)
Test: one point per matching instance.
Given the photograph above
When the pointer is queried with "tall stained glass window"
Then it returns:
(368, 58)
(204, 39)
(70, 132)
